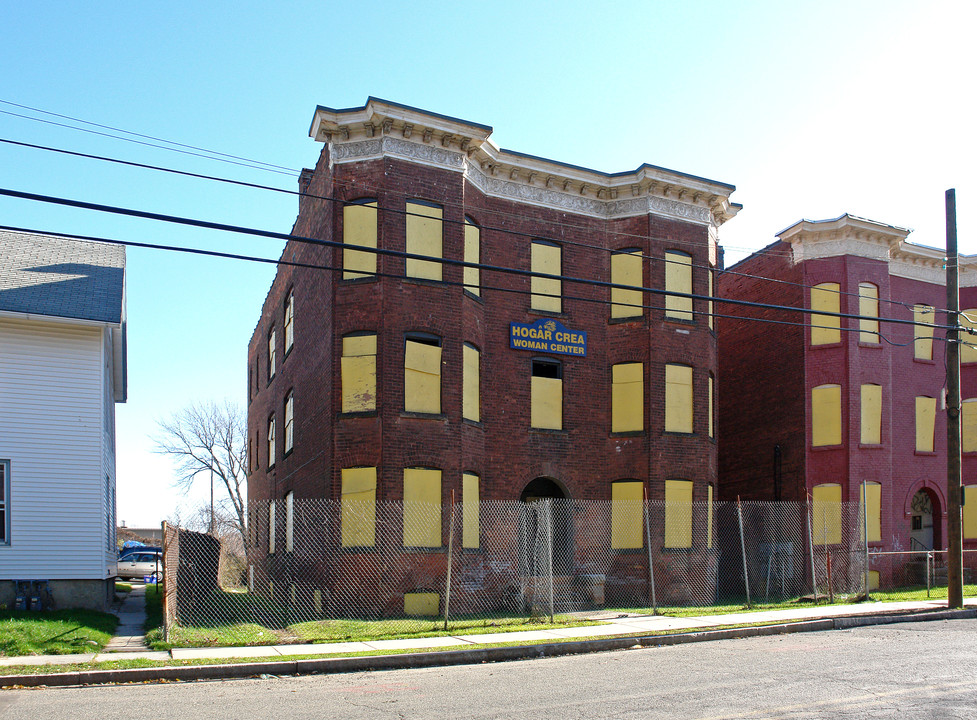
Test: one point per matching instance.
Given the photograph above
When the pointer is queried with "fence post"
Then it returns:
(451, 537)
(810, 544)
(166, 581)
(929, 561)
(746, 573)
(865, 533)
(651, 564)
(549, 551)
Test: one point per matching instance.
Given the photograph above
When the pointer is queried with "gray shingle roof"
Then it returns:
(61, 277)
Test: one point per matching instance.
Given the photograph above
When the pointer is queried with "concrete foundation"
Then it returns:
(64, 594)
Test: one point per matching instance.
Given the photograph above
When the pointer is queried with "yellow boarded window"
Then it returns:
(873, 491)
(678, 514)
(289, 322)
(709, 518)
(627, 397)
(359, 228)
(626, 270)
(546, 410)
(359, 373)
(472, 255)
(871, 414)
(826, 514)
(868, 305)
(470, 409)
(546, 258)
(289, 423)
(422, 375)
(826, 415)
(825, 329)
(970, 512)
(421, 603)
(925, 423)
(470, 510)
(968, 425)
(678, 398)
(968, 342)
(627, 515)
(424, 238)
(712, 417)
(678, 278)
(422, 507)
(271, 527)
(359, 507)
(923, 344)
(289, 521)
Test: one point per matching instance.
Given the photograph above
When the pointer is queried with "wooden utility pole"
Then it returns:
(954, 561)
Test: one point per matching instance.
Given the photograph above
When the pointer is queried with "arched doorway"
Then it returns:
(924, 532)
(547, 515)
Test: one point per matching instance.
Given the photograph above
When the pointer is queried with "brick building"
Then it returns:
(824, 408)
(404, 379)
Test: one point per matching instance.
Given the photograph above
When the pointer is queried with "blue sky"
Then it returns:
(811, 110)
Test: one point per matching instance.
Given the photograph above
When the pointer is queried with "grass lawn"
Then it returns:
(61, 632)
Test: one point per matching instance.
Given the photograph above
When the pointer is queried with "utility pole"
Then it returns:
(954, 562)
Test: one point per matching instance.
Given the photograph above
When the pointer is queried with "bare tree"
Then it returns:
(207, 438)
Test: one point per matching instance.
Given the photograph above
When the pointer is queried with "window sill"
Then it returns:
(549, 431)
(680, 321)
(625, 320)
(629, 551)
(866, 345)
(822, 448)
(547, 313)
(473, 296)
(822, 346)
(424, 550)
(871, 446)
(677, 433)
(473, 423)
(925, 453)
(423, 416)
(370, 278)
(359, 414)
(627, 433)
(924, 361)
(287, 453)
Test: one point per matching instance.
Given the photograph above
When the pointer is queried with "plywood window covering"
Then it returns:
(470, 510)
(826, 514)
(422, 374)
(546, 292)
(678, 278)
(626, 266)
(471, 361)
(925, 423)
(360, 229)
(546, 392)
(422, 507)
(825, 329)
(272, 353)
(826, 415)
(678, 398)
(425, 604)
(271, 527)
(968, 344)
(868, 305)
(289, 423)
(709, 516)
(271, 441)
(712, 416)
(627, 397)
(678, 514)
(359, 507)
(871, 494)
(970, 512)
(289, 322)
(627, 515)
(424, 237)
(871, 425)
(473, 254)
(289, 521)
(968, 425)
(359, 373)
(923, 344)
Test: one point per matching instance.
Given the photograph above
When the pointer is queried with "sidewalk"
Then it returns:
(131, 645)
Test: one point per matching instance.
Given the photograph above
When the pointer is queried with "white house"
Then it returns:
(62, 369)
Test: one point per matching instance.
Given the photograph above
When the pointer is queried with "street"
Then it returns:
(901, 670)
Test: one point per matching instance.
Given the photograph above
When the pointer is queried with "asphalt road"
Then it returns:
(906, 670)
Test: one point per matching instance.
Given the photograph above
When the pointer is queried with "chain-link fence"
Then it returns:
(316, 569)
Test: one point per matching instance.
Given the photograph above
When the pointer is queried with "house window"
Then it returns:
(271, 353)
(826, 514)
(359, 372)
(422, 373)
(925, 423)
(359, 507)
(968, 425)
(825, 329)
(470, 510)
(4, 502)
(271, 527)
(678, 514)
(923, 343)
(360, 229)
(424, 238)
(826, 415)
(871, 500)
(627, 514)
(288, 323)
(546, 292)
(711, 275)
(678, 278)
(289, 521)
(626, 268)
(968, 342)
(970, 512)
(473, 254)
(627, 397)
(271, 441)
(470, 409)
(678, 398)
(871, 415)
(546, 391)
(422, 507)
(289, 423)
(868, 306)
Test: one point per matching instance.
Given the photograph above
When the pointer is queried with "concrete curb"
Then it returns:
(469, 656)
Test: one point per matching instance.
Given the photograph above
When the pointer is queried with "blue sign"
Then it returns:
(549, 336)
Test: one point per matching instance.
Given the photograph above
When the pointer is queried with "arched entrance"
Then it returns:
(924, 532)
(547, 516)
